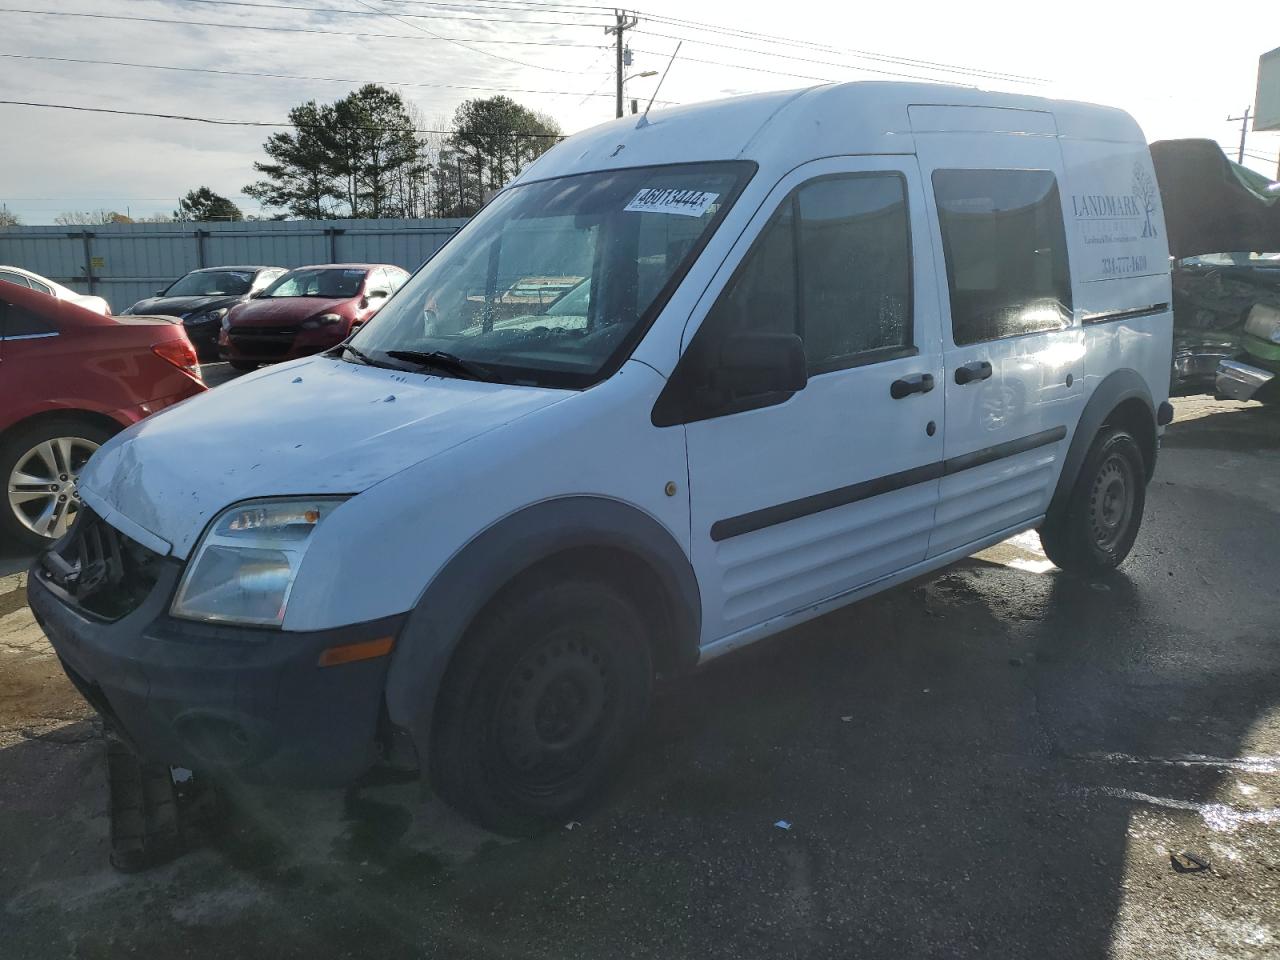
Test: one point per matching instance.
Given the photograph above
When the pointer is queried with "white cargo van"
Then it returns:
(691, 380)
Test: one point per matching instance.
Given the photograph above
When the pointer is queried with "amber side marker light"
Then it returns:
(354, 652)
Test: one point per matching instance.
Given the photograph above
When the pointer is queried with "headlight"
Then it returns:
(210, 317)
(324, 320)
(1264, 322)
(244, 566)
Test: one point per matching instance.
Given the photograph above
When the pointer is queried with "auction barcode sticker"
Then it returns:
(684, 203)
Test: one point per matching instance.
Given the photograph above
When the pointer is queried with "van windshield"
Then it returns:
(554, 282)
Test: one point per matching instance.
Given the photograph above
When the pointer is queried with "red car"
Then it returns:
(69, 379)
(307, 310)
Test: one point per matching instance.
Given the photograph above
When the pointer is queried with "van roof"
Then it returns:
(790, 127)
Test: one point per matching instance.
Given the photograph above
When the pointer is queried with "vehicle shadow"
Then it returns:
(960, 763)
(13, 560)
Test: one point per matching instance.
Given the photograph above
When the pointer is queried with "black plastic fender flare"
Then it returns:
(501, 552)
(1116, 387)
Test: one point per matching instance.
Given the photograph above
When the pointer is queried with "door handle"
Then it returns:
(978, 370)
(916, 383)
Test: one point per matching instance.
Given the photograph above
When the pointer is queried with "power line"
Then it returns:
(247, 123)
(309, 30)
(373, 12)
(437, 36)
(742, 66)
(376, 12)
(962, 71)
(828, 48)
(289, 76)
(691, 24)
(686, 24)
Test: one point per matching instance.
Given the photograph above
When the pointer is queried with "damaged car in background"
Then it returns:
(1213, 296)
(1226, 304)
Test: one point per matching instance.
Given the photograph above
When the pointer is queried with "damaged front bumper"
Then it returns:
(254, 703)
(1242, 381)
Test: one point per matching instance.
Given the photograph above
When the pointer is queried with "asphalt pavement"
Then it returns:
(996, 761)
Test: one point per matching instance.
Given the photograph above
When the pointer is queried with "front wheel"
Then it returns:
(543, 699)
(1097, 528)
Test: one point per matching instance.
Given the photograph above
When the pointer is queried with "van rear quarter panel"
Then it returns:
(1119, 252)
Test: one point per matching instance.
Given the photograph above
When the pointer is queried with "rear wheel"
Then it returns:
(542, 700)
(1097, 528)
(41, 466)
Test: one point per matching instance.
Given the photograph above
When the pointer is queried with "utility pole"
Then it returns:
(622, 23)
(1244, 130)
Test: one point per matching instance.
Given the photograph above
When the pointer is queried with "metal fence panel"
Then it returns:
(126, 262)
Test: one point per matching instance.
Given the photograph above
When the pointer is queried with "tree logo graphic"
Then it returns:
(1144, 191)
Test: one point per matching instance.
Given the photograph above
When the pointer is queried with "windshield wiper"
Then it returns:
(359, 355)
(447, 362)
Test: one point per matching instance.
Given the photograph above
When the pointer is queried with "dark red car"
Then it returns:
(69, 379)
(305, 311)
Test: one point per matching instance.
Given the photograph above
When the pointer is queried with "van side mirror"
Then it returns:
(754, 364)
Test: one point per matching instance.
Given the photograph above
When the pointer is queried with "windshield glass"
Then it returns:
(555, 281)
(333, 283)
(212, 283)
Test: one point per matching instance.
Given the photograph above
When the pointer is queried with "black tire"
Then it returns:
(541, 702)
(16, 445)
(144, 810)
(1099, 523)
(243, 365)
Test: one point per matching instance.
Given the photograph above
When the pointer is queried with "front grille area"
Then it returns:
(100, 569)
(263, 341)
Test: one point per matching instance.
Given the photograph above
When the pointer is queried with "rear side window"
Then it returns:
(17, 278)
(17, 322)
(1006, 252)
(833, 265)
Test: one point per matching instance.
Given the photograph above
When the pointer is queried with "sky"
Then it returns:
(1180, 75)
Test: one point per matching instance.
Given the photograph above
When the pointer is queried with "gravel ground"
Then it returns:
(997, 761)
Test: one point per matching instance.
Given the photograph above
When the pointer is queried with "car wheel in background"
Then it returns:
(243, 365)
(1097, 529)
(542, 700)
(40, 466)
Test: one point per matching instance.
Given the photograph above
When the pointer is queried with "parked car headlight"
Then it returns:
(244, 566)
(211, 317)
(324, 320)
(1264, 323)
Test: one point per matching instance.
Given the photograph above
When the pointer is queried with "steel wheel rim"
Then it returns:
(556, 704)
(1111, 501)
(42, 485)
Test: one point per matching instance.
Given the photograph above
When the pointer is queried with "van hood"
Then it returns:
(315, 426)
